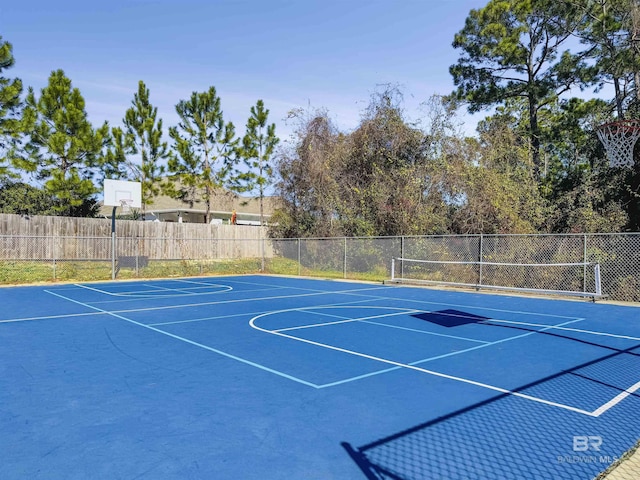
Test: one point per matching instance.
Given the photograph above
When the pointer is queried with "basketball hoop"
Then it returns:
(619, 138)
(125, 204)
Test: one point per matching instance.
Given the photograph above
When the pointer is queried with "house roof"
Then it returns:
(222, 202)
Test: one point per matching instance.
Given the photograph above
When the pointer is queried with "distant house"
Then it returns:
(223, 204)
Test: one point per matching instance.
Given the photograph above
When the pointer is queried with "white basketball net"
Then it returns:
(126, 205)
(618, 139)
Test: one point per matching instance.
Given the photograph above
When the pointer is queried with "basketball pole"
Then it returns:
(113, 243)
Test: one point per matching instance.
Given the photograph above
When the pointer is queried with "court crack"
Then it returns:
(136, 358)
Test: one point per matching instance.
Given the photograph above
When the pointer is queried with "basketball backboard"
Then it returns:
(117, 191)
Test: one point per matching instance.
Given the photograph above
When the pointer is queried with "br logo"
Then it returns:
(584, 443)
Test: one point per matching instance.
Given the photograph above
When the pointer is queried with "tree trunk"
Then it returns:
(535, 137)
(207, 213)
(261, 207)
(619, 109)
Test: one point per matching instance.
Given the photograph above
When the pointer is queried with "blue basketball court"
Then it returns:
(263, 377)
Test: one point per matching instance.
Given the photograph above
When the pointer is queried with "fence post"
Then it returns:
(402, 256)
(598, 280)
(299, 260)
(113, 243)
(344, 260)
(137, 258)
(53, 254)
(584, 260)
(481, 254)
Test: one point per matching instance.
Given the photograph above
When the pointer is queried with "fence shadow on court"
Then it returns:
(513, 438)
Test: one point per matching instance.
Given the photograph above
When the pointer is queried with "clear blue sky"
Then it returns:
(327, 54)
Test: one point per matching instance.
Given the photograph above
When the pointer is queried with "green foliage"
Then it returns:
(513, 49)
(307, 182)
(10, 105)
(610, 32)
(257, 149)
(24, 199)
(63, 147)
(116, 164)
(204, 147)
(583, 206)
(142, 140)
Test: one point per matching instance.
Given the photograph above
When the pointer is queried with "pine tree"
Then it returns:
(511, 49)
(10, 105)
(143, 139)
(63, 148)
(257, 148)
(204, 159)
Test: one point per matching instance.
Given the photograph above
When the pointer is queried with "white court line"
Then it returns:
(597, 412)
(405, 311)
(191, 342)
(127, 298)
(437, 357)
(105, 312)
(267, 287)
(315, 292)
(426, 332)
(151, 293)
(48, 317)
(419, 369)
(347, 319)
(124, 299)
(382, 297)
(397, 365)
(554, 327)
(344, 292)
(227, 288)
(241, 300)
(193, 282)
(444, 355)
(204, 319)
(157, 287)
(615, 400)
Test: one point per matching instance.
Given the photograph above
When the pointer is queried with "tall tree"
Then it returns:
(386, 177)
(143, 143)
(381, 179)
(10, 104)
(518, 49)
(24, 199)
(491, 184)
(307, 171)
(611, 31)
(257, 149)
(63, 145)
(204, 159)
(116, 165)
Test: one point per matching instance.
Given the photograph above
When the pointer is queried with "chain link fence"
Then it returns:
(566, 262)
(25, 259)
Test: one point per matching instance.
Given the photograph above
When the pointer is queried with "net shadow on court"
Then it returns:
(450, 318)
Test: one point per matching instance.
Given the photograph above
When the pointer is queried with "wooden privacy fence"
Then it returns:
(19, 225)
(64, 238)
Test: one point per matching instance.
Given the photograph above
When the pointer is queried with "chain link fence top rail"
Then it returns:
(365, 258)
